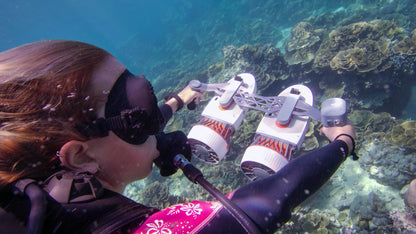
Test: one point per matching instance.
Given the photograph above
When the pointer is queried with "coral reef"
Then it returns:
(266, 63)
(359, 47)
(388, 164)
(407, 45)
(305, 220)
(404, 135)
(157, 194)
(369, 213)
(303, 44)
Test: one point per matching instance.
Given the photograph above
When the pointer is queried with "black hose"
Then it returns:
(38, 203)
(37, 209)
(196, 176)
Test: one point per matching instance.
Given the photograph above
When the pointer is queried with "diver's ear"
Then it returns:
(74, 155)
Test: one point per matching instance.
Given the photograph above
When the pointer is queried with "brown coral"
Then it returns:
(407, 45)
(303, 44)
(359, 47)
(404, 135)
(366, 56)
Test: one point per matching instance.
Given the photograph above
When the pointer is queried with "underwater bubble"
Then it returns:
(87, 98)
(52, 109)
(59, 86)
(42, 147)
(95, 223)
(70, 119)
(266, 219)
(307, 191)
(270, 214)
(278, 202)
(47, 106)
(106, 92)
(71, 95)
(91, 109)
(285, 180)
(286, 195)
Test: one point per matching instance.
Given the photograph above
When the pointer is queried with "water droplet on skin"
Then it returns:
(87, 98)
(59, 86)
(52, 109)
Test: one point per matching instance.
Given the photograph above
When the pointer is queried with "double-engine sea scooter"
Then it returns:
(278, 136)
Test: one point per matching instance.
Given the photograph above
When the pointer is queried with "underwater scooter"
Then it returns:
(279, 133)
(210, 138)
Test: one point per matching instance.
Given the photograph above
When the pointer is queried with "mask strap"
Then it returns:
(128, 119)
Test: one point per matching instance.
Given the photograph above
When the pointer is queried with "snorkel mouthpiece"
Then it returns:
(170, 145)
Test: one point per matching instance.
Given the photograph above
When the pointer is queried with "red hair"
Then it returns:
(43, 98)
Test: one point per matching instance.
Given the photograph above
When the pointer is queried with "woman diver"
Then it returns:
(75, 122)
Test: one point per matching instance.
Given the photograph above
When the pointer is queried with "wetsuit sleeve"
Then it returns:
(167, 113)
(268, 202)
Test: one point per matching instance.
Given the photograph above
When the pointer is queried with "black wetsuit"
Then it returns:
(268, 202)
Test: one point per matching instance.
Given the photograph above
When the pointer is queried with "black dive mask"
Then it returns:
(131, 111)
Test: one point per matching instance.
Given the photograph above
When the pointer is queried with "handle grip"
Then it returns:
(334, 112)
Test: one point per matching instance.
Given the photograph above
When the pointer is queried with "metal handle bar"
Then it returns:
(267, 105)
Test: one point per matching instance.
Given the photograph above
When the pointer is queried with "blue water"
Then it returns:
(107, 24)
(103, 23)
(177, 39)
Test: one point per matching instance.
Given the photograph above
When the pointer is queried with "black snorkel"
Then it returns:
(175, 152)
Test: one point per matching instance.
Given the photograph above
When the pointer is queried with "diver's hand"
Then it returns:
(332, 132)
(187, 95)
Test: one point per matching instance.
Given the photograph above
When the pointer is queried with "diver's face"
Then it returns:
(119, 162)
